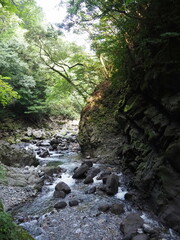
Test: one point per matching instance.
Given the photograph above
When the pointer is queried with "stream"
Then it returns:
(85, 220)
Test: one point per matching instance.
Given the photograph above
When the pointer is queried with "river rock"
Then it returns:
(112, 184)
(103, 176)
(62, 186)
(81, 171)
(60, 205)
(88, 180)
(44, 154)
(59, 194)
(93, 172)
(104, 207)
(130, 225)
(55, 141)
(130, 196)
(16, 157)
(73, 203)
(117, 208)
(88, 162)
(171, 214)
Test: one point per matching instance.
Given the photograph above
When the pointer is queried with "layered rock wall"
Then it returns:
(140, 131)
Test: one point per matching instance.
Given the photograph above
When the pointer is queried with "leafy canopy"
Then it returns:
(6, 92)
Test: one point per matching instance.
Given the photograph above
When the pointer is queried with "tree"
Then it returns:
(67, 60)
(6, 92)
(40, 63)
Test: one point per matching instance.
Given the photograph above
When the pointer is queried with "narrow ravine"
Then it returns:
(87, 212)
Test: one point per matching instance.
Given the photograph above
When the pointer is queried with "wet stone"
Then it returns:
(44, 154)
(117, 208)
(112, 184)
(88, 162)
(61, 186)
(88, 180)
(60, 205)
(104, 207)
(93, 172)
(81, 171)
(73, 203)
(130, 224)
(59, 194)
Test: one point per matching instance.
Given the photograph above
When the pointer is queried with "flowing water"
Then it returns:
(85, 221)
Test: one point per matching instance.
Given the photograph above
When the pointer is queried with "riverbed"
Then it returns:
(86, 220)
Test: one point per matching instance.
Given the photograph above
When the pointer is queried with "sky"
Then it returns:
(52, 12)
(56, 14)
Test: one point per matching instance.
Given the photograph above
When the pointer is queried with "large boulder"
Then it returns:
(112, 184)
(130, 225)
(14, 156)
(88, 180)
(93, 172)
(81, 171)
(59, 194)
(62, 186)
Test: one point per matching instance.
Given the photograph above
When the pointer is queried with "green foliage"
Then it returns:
(9, 230)
(139, 40)
(6, 92)
(41, 65)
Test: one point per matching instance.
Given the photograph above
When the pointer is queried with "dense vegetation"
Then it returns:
(41, 73)
(138, 40)
(137, 47)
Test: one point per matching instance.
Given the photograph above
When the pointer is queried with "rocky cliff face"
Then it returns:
(140, 131)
